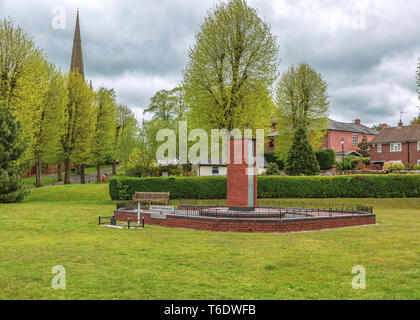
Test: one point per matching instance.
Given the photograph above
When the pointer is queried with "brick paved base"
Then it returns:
(252, 225)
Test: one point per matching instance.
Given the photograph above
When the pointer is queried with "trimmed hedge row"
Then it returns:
(123, 188)
(352, 186)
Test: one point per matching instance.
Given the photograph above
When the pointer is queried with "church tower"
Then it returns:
(77, 55)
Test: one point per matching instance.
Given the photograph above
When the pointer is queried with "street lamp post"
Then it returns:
(342, 154)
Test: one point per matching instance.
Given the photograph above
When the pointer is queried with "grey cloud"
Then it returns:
(139, 47)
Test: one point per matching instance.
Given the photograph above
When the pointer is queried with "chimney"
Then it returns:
(384, 126)
(357, 121)
(400, 124)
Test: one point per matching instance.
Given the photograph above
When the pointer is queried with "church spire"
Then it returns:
(77, 55)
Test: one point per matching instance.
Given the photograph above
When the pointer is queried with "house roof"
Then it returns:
(220, 163)
(398, 134)
(350, 127)
(343, 126)
(349, 153)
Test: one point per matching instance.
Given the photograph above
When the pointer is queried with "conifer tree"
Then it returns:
(301, 159)
(11, 151)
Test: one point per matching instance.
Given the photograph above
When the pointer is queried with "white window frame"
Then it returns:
(357, 139)
(392, 147)
(213, 169)
(418, 145)
(379, 148)
(418, 162)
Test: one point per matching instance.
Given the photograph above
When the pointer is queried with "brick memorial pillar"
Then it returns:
(241, 186)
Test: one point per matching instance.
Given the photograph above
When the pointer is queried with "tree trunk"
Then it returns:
(114, 168)
(38, 172)
(98, 172)
(82, 174)
(59, 175)
(67, 171)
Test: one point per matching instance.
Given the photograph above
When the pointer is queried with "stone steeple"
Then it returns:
(77, 55)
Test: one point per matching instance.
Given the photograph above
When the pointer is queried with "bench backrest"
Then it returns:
(151, 195)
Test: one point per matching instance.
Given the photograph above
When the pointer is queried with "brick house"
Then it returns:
(396, 144)
(352, 133)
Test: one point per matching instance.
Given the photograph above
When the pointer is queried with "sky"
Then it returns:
(366, 50)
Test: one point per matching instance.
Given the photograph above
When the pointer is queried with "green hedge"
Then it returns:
(123, 188)
(351, 186)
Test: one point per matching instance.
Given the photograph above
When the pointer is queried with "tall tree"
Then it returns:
(149, 132)
(180, 107)
(12, 149)
(162, 105)
(230, 69)
(79, 124)
(124, 115)
(127, 141)
(23, 77)
(47, 121)
(301, 159)
(17, 55)
(105, 127)
(302, 96)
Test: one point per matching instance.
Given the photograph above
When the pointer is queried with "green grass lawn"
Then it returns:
(58, 226)
(30, 181)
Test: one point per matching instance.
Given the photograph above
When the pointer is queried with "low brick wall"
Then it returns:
(264, 225)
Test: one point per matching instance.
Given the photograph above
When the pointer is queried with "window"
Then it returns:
(418, 145)
(215, 170)
(396, 147)
(379, 148)
(355, 139)
(418, 162)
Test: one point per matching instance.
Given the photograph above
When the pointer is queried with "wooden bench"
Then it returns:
(151, 197)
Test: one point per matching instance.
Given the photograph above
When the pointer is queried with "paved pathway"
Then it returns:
(75, 179)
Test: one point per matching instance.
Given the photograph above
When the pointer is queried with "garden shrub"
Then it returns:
(357, 160)
(347, 186)
(387, 166)
(271, 157)
(273, 169)
(348, 164)
(326, 158)
(397, 166)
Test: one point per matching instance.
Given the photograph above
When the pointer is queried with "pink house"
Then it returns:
(351, 133)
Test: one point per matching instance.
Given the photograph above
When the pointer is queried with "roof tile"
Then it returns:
(398, 134)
